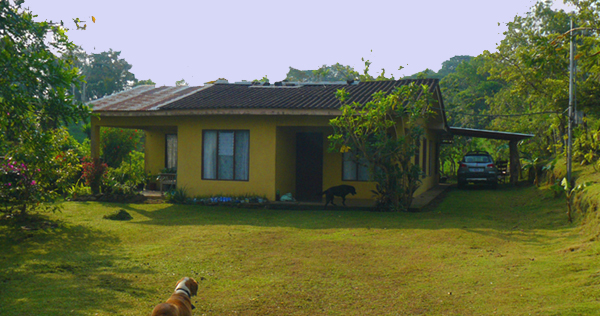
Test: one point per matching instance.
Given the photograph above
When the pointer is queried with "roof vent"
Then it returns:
(266, 84)
(221, 80)
(350, 81)
(278, 84)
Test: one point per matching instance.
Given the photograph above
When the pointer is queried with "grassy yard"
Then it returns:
(479, 252)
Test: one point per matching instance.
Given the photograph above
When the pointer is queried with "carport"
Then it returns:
(512, 138)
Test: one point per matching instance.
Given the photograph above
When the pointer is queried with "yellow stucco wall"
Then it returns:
(272, 159)
(155, 144)
(431, 178)
(285, 180)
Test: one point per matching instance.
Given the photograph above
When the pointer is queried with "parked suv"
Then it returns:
(477, 167)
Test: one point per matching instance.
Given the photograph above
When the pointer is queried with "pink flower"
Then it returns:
(33, 182)
(8, 184)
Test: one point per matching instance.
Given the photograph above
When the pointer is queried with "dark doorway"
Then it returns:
(309, 166)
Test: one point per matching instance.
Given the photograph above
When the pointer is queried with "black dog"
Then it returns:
(341, 191)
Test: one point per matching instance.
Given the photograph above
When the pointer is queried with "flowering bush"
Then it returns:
(38, 169)
(19, 190)
(55, 155)
(117, 143)
(93, 173)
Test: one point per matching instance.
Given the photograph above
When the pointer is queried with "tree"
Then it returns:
(384, 133)
(145, 82)
(337, 72)
(106, 73)
(465, 90)
(35, 83)
(532, 62)
(37, 76)
(181, 83)
(451, 65)
(448, 67)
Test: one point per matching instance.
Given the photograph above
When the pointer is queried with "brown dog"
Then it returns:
(180, 303)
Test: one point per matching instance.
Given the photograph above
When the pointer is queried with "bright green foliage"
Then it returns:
(35, 83)
(465, 91)
(58, 159)
(532, 62)
(570, 190)
(38, 72)
(32, 175)
(449, 66)
(78, 189)
(117, 143)
(128, 177)
(384, 133)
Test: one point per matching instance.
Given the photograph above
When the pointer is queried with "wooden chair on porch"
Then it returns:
(503, 173)
(166, 179)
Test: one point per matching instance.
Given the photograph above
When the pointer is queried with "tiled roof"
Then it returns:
(305, 96)
(141, 98)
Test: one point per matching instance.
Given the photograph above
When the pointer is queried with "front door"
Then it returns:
(309, 166)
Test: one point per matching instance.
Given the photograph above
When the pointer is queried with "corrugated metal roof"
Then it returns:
(488, 134)
(141, 98)
(305, 96)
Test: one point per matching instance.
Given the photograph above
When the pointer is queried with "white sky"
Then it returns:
(200, 40)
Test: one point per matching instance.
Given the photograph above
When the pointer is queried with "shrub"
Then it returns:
(127, 178)
(19, 190)
(177, 196)
(93, 173)
(38, 170)
(79, 189)
(117, 143)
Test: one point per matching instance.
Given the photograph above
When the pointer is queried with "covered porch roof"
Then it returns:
(482, 133)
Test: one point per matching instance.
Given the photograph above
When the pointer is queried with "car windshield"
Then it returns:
(477, 159)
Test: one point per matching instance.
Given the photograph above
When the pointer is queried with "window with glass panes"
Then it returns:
(225, 155)
(354, 169)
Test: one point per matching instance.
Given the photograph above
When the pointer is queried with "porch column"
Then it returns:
(515, 165)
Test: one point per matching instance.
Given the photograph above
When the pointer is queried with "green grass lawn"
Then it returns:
(479, 252)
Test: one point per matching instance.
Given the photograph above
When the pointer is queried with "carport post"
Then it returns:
(515, 165)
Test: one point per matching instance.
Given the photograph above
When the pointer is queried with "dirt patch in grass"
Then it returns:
(120, 215)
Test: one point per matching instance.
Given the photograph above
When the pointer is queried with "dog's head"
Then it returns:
(352, 190)
(187, 284)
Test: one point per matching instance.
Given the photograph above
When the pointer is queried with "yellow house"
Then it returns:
(242, 138)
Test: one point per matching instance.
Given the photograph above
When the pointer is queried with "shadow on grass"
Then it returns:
(60, 269)
(479, 209)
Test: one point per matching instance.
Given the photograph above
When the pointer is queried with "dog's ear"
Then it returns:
(193, 286)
